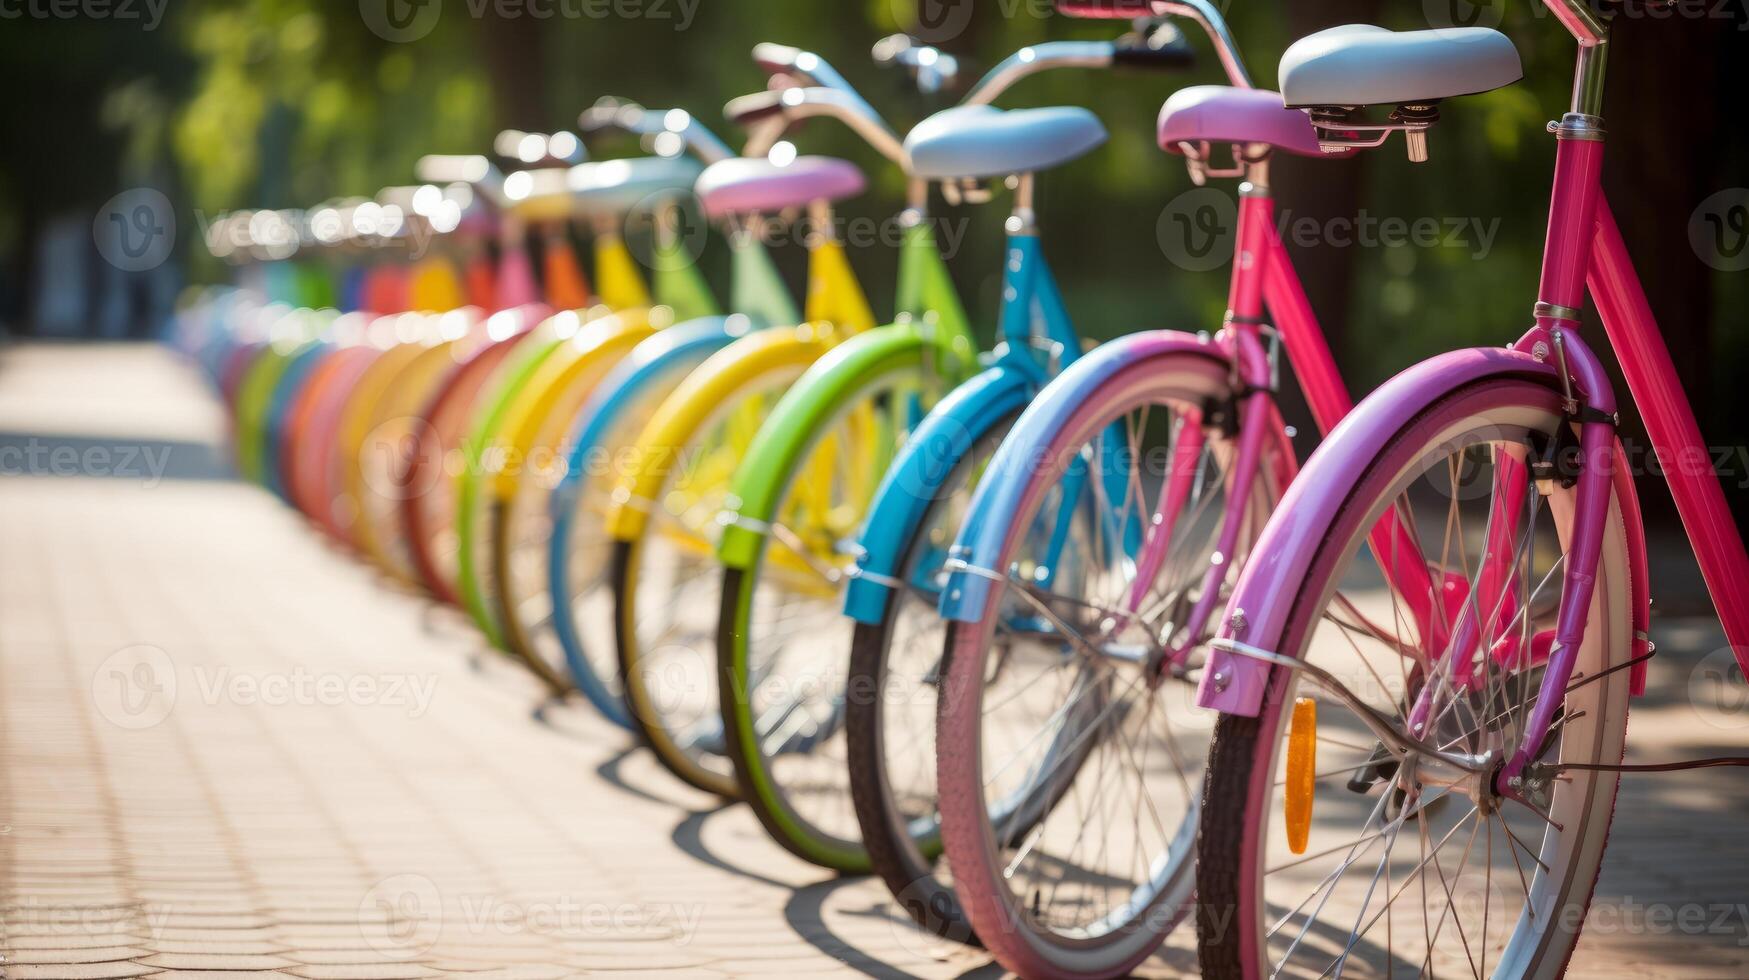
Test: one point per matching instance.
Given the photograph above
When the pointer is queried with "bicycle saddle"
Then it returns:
(1363, 65)
(746, 184)
(617, 186)
(1224, 114)
(969, 142)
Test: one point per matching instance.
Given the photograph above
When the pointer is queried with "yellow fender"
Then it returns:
(389, 427)
(355, 427)
(546, 406)
(695, 402)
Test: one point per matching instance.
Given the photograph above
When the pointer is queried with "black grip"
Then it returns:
(750, 109)
(1106, 9)
(1163, 49)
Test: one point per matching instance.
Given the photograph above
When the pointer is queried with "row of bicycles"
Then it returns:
(1058, 640)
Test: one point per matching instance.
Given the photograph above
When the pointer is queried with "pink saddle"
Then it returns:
(746, 184)
(1223, 114)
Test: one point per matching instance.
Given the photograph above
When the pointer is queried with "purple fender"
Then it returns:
(1000, 492)
(1234, 683)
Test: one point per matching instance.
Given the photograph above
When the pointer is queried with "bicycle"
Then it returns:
(512, 447)
(1080, 590)
(1505, 711)
(661, 526)
(454, 432)
(799, 499)
(579, 549)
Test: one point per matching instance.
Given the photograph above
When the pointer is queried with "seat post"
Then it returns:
(1023, 220)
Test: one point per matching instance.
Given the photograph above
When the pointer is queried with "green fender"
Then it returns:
(796, 419)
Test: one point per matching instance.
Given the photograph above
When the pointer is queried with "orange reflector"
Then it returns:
(1302, 769)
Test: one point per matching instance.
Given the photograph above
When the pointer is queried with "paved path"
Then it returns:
(225, 746)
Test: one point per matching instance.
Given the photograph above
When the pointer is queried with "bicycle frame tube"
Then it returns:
(1264, 278)
(930, 334)
(1657, 393)
(1032, 309)
(674, 272)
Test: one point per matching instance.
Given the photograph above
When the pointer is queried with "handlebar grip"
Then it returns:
(755, 108)
(1163, 49)
(1106, 9)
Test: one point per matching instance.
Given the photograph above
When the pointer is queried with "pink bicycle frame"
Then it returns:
(1584, 251)
(1264, 277)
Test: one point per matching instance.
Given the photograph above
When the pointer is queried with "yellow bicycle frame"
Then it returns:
(836, 309)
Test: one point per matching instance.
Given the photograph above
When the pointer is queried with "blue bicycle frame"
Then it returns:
(1032, 312)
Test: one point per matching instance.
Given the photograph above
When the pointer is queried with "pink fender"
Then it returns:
(1279, 563)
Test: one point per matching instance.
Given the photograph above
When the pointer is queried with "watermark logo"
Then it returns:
(675, 226)
(1716, 691)
(149, 13)
(1718, 230)
(400, 21)
(401, 916)
(1197, 229)
(1463, 13)
(135, 230)
(933, 21)
(135, 687)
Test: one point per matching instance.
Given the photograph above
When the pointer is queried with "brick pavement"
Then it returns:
(227, 747)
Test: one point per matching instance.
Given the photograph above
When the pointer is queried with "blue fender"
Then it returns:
(656, 364)
(998, 497)
(914, 480)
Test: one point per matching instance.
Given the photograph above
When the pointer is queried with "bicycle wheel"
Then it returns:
(1068, 742)
(666, 582)
(1400, 871)
(895, 666)
(783, 640)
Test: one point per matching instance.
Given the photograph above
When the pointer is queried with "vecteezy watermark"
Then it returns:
(404, 915)
(1442, 14)
(401, 916)
(149, 13)
(139, 686)
(1716, 691)
(135, 687)
(679, 233)
(1464, 13)
(680, 12)
(29, 915)
(1197, 228)
(404, 21)
(400, 21)
(303, 688)
(1718, 230)
(135, 230)
(34, 456)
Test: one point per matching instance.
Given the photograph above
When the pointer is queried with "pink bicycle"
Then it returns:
(1416, 771)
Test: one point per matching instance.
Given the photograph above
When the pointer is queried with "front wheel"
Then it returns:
(1069, 748)
(783, 639)
(1390, 870)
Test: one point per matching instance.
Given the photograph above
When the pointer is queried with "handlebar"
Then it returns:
(1201, 12)
(810, 67)
(629, 117)
(1162, 48)
(933, 69)
(795, 104)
